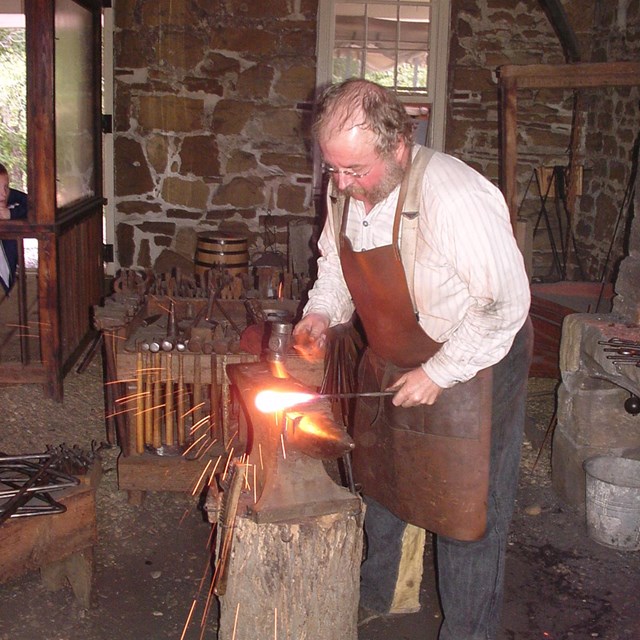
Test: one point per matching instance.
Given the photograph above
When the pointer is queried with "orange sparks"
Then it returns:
(186, 624)
(193, 444)
(284, 453)
(199, 480)
(213, 473)
(226, 468)
(269, 401)
(195, 408)
(205, 447)
(235, 622)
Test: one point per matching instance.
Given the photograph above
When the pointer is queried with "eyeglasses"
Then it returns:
(332, 171)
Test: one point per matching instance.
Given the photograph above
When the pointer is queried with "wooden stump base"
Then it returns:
(289, 581)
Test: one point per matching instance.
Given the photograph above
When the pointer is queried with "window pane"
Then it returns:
(74, 102)
(387, 42)
(414, 25)
(347, 63)
(412, 71)
(349, 41)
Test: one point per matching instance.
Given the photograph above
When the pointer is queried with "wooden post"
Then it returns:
(294, 580)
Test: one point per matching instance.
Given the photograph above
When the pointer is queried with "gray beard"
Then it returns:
(392, 178)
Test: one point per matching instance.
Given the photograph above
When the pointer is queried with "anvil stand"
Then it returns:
(294, 568)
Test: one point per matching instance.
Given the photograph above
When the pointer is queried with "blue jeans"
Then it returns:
(470, 574)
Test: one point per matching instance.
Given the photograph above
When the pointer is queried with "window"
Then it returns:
(401, 44)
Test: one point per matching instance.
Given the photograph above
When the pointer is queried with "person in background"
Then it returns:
(13, 206)
(445, 311)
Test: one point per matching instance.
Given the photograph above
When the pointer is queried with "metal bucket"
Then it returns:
(221, 250)
(613, 501)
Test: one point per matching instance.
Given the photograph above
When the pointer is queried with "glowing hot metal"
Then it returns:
(270, 401)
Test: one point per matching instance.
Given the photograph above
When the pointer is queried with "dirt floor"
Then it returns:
(151, 562)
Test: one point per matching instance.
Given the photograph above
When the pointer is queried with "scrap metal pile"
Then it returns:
(28, 482)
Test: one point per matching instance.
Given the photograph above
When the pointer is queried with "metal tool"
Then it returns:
(358, 394)
(31, 477)
(622, 352)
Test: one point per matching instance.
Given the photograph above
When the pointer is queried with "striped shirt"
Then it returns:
(470, 285)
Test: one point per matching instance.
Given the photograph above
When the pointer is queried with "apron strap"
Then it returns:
(411, 217)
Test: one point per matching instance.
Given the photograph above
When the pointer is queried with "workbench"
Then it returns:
(167, 438)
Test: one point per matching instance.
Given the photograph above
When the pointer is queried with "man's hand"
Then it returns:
(310, 335)
(5, 213)
(415, 387)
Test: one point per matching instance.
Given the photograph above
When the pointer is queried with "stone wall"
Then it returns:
(611, 140)
(487, 34)
(214, 96)
(212, 99)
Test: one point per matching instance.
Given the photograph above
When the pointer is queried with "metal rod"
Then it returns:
(362, 394)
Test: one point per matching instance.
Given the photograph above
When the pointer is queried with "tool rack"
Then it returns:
(175, 466)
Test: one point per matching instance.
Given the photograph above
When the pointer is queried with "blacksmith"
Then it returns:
(421, 247)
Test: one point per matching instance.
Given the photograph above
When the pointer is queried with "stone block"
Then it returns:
(171, 113)
(186, 241)
(158, 227)
(246, 40)
(255, 82)
(291, 198)
(241, 161)
(132, 175)
(192, 194)
(125, 244)
(296, 83)
(231, 116)
(181, 49)
(282, 124)
(596, 418)
(217, 65)
(199, 156)
(144, 254)
(287, 162)
(241, 193)
(158, 152)
(163, 13)
(567, 472)
(135, 207)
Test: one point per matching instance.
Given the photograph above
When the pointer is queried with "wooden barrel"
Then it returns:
(221, 250)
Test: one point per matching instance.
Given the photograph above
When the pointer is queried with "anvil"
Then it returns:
(291, 480)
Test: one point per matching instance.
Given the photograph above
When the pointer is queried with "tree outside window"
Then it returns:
(13, 105)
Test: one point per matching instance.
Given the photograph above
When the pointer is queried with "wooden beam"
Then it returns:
(509, 143)
(577, 75)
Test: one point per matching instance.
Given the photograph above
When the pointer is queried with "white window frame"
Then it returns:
(438, 61)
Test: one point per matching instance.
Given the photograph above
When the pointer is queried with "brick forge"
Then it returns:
(592, 419)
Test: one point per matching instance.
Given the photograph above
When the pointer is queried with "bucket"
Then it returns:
(613, 501)
(221, 250)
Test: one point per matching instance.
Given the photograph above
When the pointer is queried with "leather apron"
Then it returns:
(429, 465)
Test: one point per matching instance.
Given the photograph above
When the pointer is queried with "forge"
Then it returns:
(289, 537)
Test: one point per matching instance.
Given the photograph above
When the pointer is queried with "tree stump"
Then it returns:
(294, 581)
